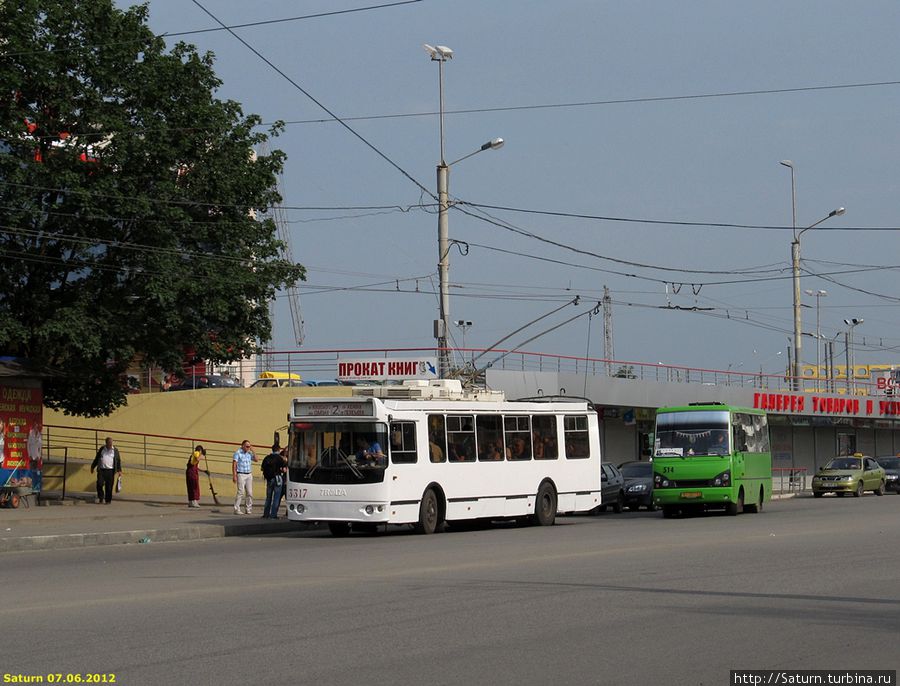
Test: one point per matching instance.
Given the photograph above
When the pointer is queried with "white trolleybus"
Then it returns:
(427, 453)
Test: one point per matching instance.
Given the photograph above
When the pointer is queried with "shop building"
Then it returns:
(806, 428)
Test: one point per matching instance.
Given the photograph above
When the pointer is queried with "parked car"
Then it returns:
(206, 381)
(277, 383)
(891, 466)
(612, 488)
(638, 485)
(849, 474)
(325, 382)
(269, 379)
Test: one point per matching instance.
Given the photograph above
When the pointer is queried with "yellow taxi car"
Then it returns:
(849, 474)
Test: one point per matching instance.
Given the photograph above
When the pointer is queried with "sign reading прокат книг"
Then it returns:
(387, 369)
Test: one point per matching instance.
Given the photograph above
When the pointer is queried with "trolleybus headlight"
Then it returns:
(381, 508)
(370, 509)
(300, 508)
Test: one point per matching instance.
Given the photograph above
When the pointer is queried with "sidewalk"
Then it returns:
(80, 523)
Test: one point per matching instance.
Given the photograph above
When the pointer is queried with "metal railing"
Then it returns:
(137, 450)
(323, 364)
(788, 479)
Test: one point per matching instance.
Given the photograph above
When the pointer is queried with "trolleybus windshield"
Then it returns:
(338, 452)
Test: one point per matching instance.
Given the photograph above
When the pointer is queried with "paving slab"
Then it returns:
(79, 522)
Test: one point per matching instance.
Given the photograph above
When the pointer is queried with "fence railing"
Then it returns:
(143, 451)
(323, 364)
(788, 479)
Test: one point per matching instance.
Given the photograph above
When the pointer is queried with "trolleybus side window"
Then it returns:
(517, 430)
(489, 434)
(437, 438)
(543, 437)
(461, 438)
(403, 442)
(576, 435)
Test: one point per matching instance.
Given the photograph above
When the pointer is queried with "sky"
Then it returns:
(589, 97)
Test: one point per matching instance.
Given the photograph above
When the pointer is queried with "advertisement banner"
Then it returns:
(385, 369)
(20, 436)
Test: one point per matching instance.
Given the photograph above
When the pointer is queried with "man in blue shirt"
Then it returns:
(243, 477)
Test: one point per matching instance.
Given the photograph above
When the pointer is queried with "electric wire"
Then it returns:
(321, 105)
(176, 34)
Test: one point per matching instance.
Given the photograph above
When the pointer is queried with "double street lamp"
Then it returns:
(819, 295)
(440, 54)
(851, 362)
(795, 262)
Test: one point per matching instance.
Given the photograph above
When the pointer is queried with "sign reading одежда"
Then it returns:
(387, 369)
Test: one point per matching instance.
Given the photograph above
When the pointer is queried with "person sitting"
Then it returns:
(437, 453)
(492, 452)
(369, 453)
(519, 450)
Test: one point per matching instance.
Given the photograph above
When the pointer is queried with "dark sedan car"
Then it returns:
(891, 465)
(638, 485)
(612, 488)
(206, 381)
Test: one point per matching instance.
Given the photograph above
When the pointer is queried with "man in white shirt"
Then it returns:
(108, 464)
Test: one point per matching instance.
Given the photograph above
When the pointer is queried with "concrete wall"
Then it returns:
(219, 418)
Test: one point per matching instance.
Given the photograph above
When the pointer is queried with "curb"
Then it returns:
(183, 533)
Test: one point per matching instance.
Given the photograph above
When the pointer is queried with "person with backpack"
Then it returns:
(274, 469)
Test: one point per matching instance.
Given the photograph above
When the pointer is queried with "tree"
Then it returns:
(130, 203)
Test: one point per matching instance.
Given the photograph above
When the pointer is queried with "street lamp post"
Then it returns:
(851, 362)
(795, 263)
(441, 54)
(819, 295)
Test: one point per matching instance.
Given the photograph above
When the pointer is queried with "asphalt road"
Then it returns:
(611, 599)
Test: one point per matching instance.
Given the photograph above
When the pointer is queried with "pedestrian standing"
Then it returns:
(108, 464)
(273, 469)
(192, 476)
(243, 477)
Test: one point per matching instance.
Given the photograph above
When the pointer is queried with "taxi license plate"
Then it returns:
(692, 494)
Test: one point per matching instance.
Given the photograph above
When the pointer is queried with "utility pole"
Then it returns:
(608, 352)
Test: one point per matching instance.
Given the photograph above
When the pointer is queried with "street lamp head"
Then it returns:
(438, 53)
(853, 322)
(786, 163)
(837, 213)
(496, 143)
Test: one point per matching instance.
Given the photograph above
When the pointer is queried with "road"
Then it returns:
(611, 599)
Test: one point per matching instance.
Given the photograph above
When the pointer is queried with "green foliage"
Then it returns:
(148, 246)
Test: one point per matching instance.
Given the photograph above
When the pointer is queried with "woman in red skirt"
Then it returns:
(192, 476)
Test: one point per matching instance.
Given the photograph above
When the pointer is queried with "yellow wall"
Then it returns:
(155, 433)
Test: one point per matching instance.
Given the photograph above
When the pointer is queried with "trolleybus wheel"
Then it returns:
(339, 529)
(545, 505)
(859, 490)
(737, 507)
(428, 514)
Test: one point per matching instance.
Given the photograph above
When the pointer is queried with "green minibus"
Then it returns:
(711, 455)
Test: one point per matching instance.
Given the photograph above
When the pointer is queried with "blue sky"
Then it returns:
(713, 160)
